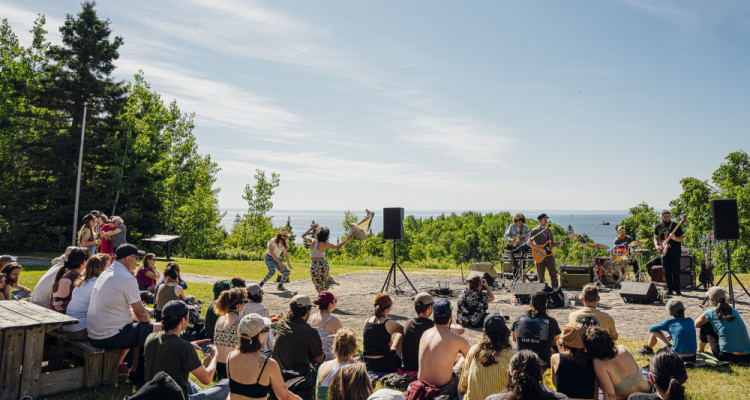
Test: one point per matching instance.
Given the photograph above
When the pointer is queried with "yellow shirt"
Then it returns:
(478, 381)
(603, 319)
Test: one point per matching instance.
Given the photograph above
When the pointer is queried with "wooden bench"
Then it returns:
(99, 368)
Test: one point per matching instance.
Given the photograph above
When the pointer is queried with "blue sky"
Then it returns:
(444, 104)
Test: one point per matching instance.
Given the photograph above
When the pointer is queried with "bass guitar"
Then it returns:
(538, 257)
(665, 242)
(706, 277)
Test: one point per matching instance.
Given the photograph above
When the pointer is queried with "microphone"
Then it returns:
(605, 223)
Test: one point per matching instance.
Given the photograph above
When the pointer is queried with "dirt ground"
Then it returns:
(357, 290)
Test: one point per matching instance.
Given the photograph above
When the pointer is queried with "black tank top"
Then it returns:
(254, 390)
(575, 381)
(376, 339)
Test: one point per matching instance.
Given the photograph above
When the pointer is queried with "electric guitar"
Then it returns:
(538, 257)
(706, 278)
(665, 242)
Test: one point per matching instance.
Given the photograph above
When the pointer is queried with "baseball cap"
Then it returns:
(383, 300)
(716, 293)
(424, 298)
(128, 249)
(174, 309)
(302, 300)
(674, 306)
(442, 308)
(325, 298)
(494, 323)
(542, 215)
(253, 289)
(252, 324)
(7, 258)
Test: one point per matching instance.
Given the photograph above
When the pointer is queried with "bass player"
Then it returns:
(542, 242)
(669, 234)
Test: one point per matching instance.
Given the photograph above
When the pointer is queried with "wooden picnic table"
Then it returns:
(23, 326)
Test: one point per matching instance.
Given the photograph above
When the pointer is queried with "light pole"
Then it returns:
(78, 181)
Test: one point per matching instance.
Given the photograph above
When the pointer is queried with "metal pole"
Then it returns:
(78, 181)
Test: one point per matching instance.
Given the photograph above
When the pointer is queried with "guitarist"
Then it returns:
(671, 259)
(545, 239)
(516, 236)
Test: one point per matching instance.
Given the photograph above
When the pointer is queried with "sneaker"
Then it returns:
(678, 293)
(123, 370)
(645, 351)
(281, 287)
(278, 278)
(261, 283)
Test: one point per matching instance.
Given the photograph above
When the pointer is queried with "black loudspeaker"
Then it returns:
(638, 292)
(726, 219)
(393, 223)
(524, 290)
(687, 271)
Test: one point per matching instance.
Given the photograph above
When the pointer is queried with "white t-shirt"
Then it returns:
(109, 310)
(277, 248)
(43, 289)
(79, 305)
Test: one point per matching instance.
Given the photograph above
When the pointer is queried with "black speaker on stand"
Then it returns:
(727, 227)
(393, 229)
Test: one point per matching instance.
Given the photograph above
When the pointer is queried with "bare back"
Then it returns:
(438, 349)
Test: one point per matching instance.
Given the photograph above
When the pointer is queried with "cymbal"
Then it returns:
(636, 243)
(641, 250)
(597, 246)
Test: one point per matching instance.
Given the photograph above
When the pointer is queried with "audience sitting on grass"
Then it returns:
(167, 351)
(473, 303)
(251, 373)
(382, 338)
(43, 290)
(415, 328)
(12, 271)
(169, 290)
(81, 297)
(681, 330)
(115, 300)
(344, 349)
(211, 317)
(616, 370)
(180, 282)
(440, 351)
(298, 345)
(351, 382)
(668, 375)
(723, 329)
(324, 322)
(254, 306)
(228, 307)
(486, 368)
(573, 369)
(525, 380)
(147, 274)
(589, 315)
(535, 330)
(67, 275)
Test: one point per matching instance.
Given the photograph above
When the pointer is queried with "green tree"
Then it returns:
(255, 228)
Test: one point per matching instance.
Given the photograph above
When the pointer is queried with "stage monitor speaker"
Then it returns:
(524, 290)
(726, 219)
(485, 267)
(638, 292)
(687, 271)
(393, 223)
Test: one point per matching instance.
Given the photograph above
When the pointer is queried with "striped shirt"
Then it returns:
(119, 238)
(478, 381)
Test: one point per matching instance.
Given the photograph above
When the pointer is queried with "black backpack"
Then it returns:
(555, 298)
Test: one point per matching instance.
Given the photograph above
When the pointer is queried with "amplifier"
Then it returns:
(687, 272)
(575, 276)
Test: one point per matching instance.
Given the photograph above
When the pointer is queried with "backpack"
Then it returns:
(556, 299)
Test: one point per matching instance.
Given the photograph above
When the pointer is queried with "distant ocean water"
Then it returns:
(300, 220)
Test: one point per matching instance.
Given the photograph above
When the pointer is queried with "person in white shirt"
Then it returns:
(81, 297)
(43, 289)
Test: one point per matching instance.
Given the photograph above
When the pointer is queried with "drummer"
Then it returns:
(622, 241)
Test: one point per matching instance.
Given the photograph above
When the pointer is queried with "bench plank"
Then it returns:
(61, 381)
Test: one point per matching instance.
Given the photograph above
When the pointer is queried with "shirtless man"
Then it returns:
(438, 352)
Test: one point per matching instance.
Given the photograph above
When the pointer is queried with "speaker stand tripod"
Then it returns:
(729, 274)
(392, 273)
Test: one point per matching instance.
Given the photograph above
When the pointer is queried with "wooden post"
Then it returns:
(32, 362)
(109, 367)
(10, 365)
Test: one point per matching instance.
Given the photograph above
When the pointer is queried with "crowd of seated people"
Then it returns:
(314, 356)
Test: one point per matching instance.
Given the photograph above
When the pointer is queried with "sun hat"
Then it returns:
(572, 336)
(252, 324)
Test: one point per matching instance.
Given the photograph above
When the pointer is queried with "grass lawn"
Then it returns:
(728, 382)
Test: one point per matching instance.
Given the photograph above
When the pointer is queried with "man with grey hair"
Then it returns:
(118, 232)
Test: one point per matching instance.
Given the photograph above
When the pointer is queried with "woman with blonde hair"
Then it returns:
(228, 307)
(351, 382)
(344, 348)
(81, 297)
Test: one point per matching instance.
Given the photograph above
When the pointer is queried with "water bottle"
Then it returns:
(566, 300)
(513, 299)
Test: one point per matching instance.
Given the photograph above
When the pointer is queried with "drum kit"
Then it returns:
(612, 270)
